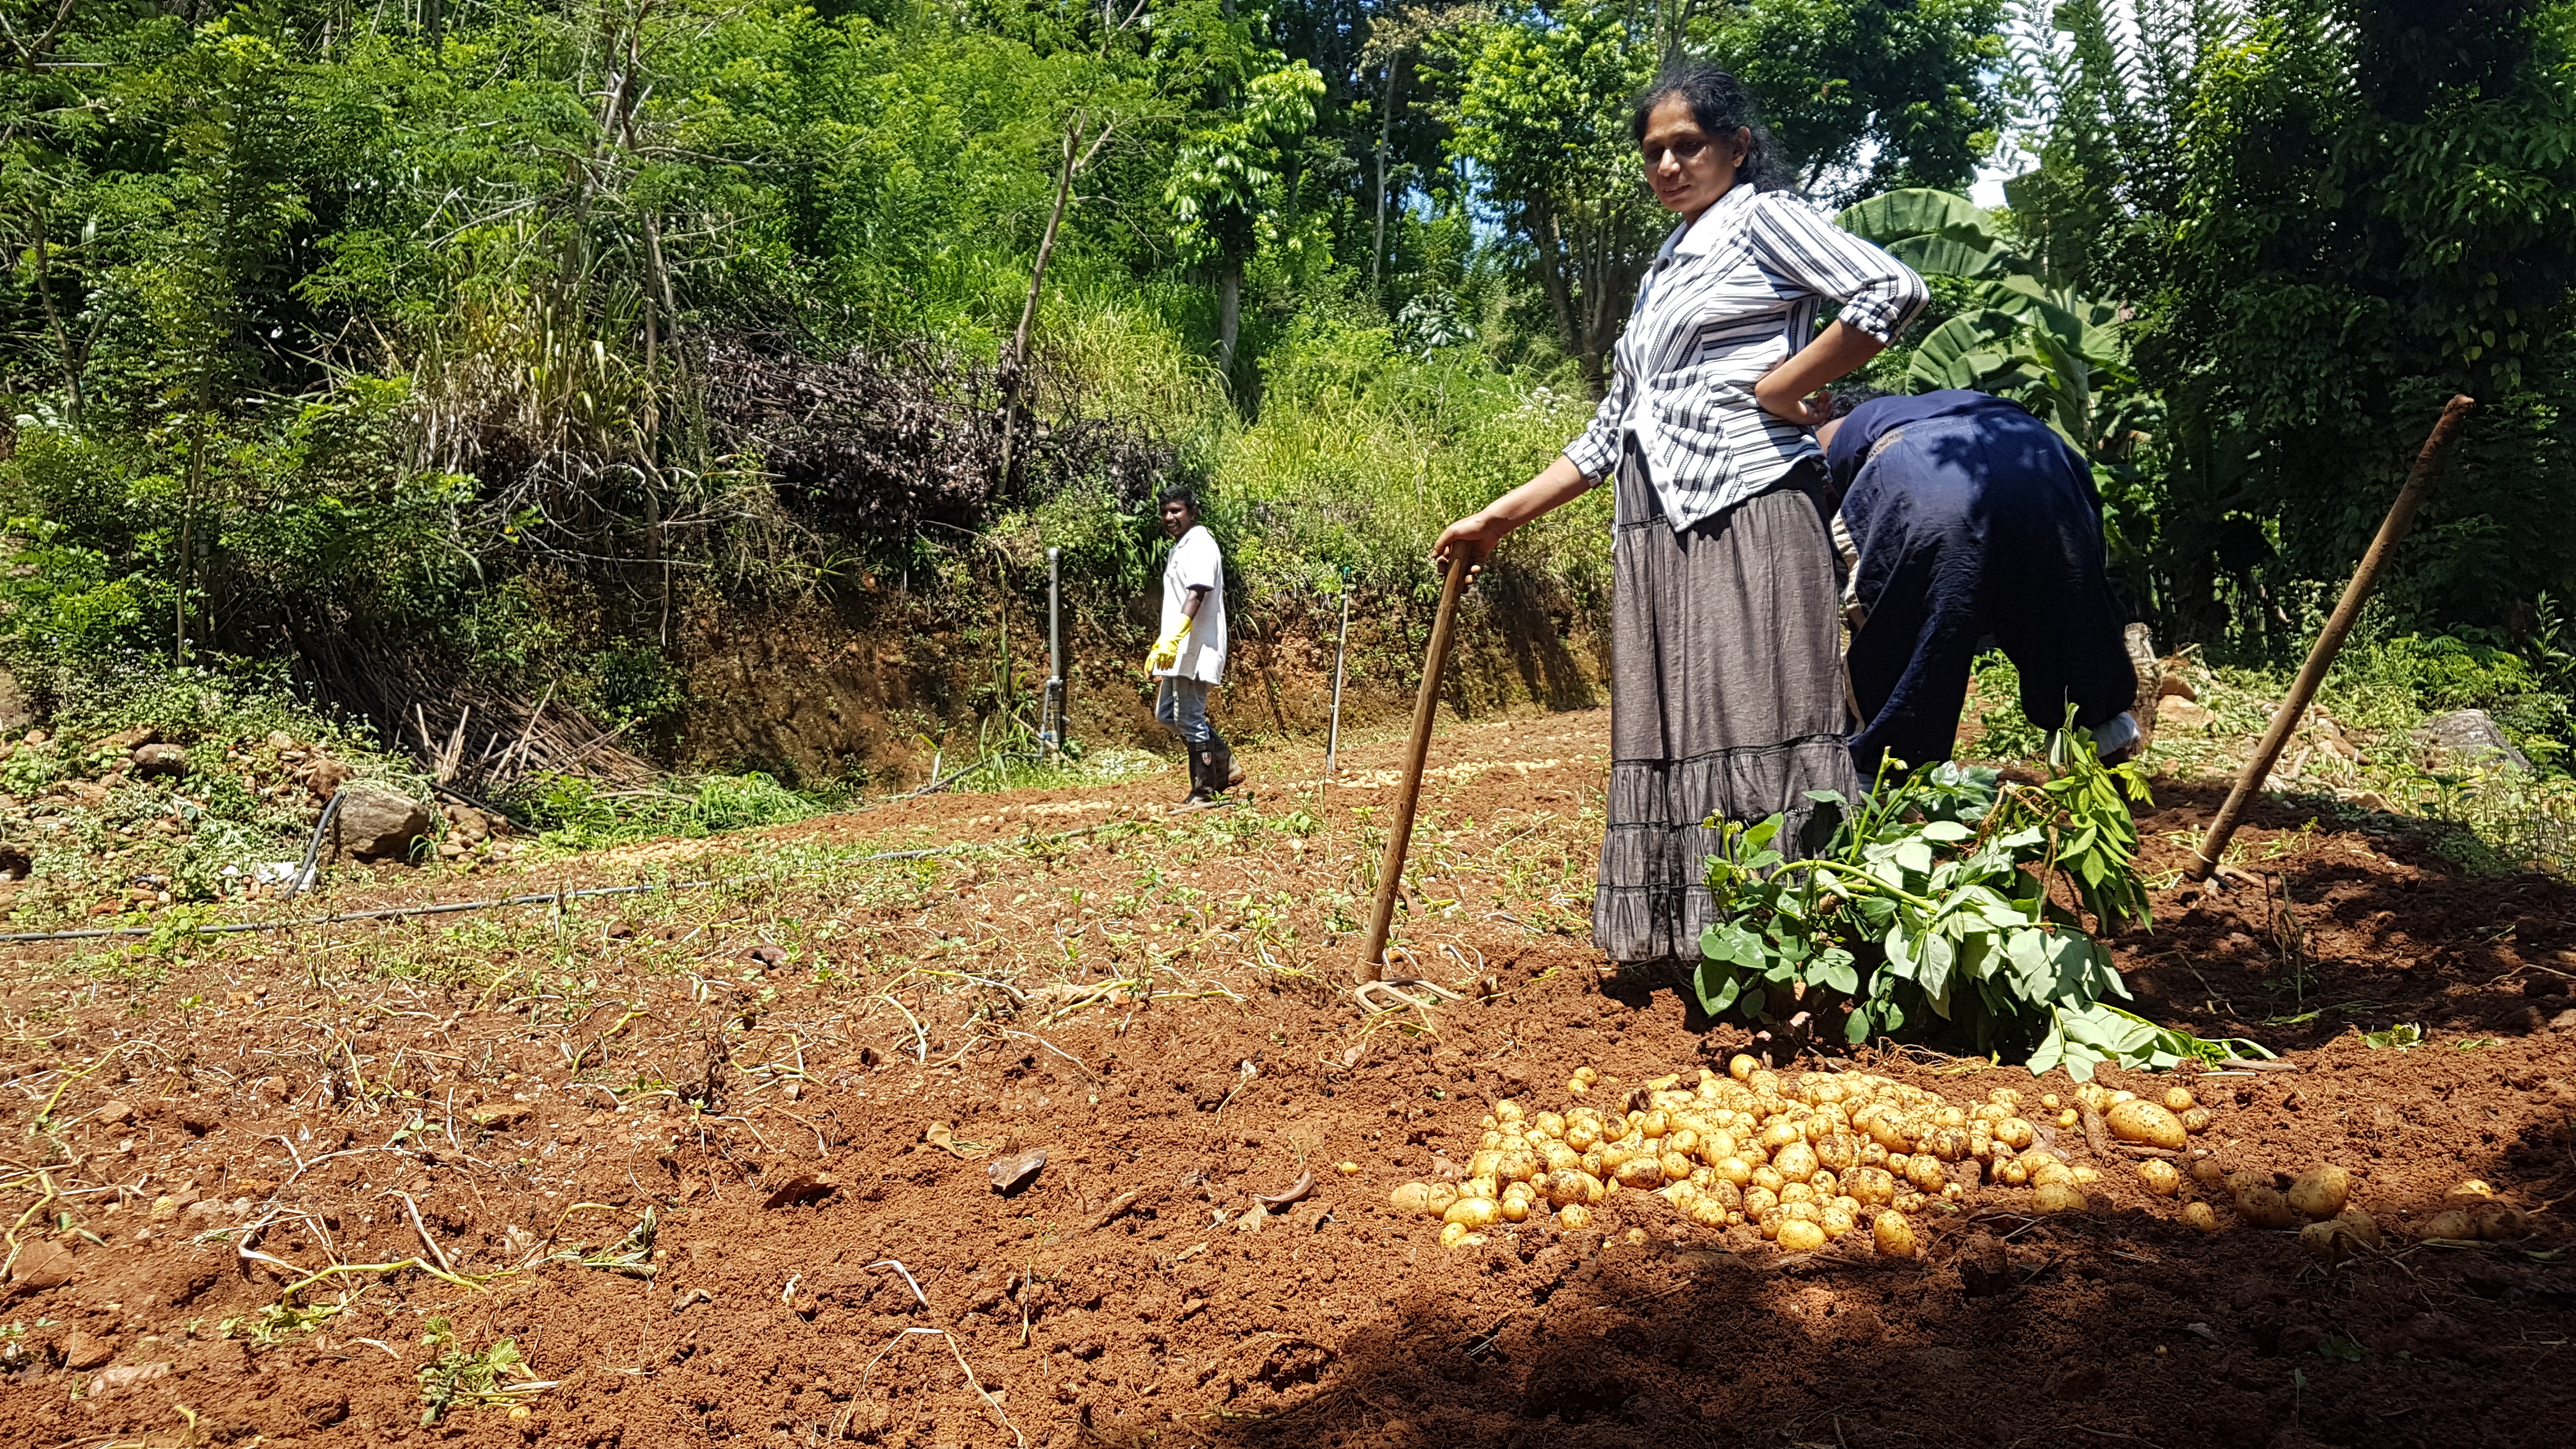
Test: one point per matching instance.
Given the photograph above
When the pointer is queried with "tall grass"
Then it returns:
(1355, 453)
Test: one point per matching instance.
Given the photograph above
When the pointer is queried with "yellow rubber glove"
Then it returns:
(1167, 650)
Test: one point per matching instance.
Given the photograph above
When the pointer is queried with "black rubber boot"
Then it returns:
(1221, 772)
(1200, 793)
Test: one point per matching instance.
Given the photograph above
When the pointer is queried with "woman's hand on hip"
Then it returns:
(1794, 389)
(1810, 411)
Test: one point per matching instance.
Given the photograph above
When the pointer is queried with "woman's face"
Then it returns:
(1689, 168)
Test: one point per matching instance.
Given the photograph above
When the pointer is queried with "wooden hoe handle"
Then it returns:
(1390, 870)
(2401, 516)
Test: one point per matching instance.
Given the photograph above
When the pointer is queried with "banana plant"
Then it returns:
(2061, 355)
(1936, 233)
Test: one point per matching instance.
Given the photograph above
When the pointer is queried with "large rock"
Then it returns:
(160, 761)
(2475, 737)
(378, 822)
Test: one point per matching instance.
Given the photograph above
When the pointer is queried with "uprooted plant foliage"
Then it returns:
(1934, 912)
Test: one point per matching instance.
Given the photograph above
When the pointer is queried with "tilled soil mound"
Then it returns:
(718, 1164)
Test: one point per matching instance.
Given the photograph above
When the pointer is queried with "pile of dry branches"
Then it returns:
(880, 442)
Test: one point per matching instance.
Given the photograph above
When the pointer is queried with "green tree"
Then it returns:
(2328, 216)
(1225, 190)
(1904, 85)
(1542, 103)
(1541, 117)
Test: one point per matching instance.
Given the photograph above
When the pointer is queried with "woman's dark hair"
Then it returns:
(1722, 106)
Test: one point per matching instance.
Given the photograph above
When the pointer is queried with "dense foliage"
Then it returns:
(504, 336)
(2327, 217)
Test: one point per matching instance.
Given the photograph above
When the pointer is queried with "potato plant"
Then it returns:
(1935, 909)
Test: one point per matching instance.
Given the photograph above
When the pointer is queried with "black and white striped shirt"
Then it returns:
(1729, 296)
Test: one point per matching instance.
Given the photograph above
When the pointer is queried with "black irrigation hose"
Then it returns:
(313, 847)
(443, 908)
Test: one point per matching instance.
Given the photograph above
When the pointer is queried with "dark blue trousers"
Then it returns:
(1971, 526)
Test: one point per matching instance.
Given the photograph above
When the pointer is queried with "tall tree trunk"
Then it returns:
(71, 363)
(1559, 287)
(1016, 358)
(1229, 311)
(1385, 123)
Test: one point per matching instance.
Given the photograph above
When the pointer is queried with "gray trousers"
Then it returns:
(1182, 705)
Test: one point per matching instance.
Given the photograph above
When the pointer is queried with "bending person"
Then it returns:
(1968, 518)
(1726, 679)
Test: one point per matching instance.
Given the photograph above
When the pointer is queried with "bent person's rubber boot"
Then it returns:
(1223, 775)
(2141, 649)
(1200, 791)
(2116, 740)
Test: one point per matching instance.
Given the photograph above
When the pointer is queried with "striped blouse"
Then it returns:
(1728, 297)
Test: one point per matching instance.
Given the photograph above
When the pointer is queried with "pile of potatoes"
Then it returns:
(2473, 1213)
(2318, 1202)
(2332, 1227)
(1803, 1160)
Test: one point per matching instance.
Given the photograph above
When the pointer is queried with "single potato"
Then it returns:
(1894, 1236)
(2059, 1197)
(1800, 1236)
(2145, 1122)
(2320, 1192)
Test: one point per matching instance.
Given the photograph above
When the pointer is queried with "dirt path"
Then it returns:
(505, 1097)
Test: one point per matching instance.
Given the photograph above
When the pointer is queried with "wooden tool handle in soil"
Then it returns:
(2392, 529)
(1399, 838)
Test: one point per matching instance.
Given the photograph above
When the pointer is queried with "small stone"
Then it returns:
(326, 777)
(41, 1265)
(83, 1351)
(2181, 713)
(126, 1374)
(2564, 1021)
(117, 1112)
(1010, 1172)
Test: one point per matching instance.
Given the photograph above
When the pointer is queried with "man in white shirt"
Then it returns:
(1189, 658)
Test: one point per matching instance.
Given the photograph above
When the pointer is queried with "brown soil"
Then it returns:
(870, 683)
(310, 1083)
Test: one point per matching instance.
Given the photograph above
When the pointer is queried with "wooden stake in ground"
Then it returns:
(1390, 870)
(2392, 529)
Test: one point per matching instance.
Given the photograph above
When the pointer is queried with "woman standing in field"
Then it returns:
(1726, 688)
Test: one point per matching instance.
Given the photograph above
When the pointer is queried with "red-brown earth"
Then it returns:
(195, 1124)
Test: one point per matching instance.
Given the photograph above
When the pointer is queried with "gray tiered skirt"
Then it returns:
(1726, 698)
